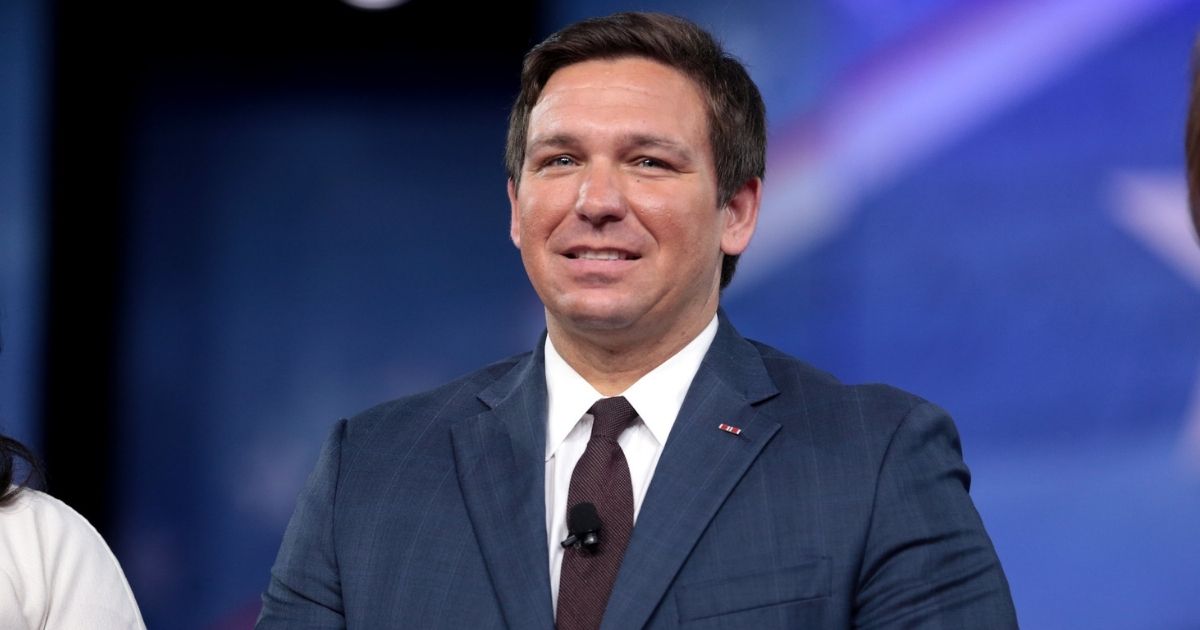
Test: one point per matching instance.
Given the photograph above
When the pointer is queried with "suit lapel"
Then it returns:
(500, 457)
(699, 467)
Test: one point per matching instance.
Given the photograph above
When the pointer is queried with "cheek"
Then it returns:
(541, 210)
(696, 231)
(536, 227)
(531, 215)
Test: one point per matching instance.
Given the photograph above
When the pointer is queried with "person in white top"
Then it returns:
(56, 572)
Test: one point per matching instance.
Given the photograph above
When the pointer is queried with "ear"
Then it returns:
(514, 226)
(741, 217)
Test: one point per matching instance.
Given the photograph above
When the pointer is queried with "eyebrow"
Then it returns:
(633, 140)
(558, 140)
(649, 140)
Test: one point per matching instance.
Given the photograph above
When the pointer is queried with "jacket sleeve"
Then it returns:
(928, 563)
(305, 588)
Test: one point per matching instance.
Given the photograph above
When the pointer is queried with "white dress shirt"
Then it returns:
(657, 397)
(56, 573)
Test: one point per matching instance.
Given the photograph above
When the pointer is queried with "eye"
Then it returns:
(560, 160)
(649, 162)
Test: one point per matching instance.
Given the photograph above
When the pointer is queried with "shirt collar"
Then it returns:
(657, 396)
(569, 396)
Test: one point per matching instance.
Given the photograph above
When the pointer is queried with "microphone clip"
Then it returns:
(587, 541)
(584, 525)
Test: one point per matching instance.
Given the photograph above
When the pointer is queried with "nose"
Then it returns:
(601, 198)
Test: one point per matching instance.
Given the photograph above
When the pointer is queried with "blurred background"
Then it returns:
(224, 225)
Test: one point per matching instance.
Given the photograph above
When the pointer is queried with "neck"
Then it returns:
(612, 361)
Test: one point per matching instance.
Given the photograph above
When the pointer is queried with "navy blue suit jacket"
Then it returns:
(838, 506)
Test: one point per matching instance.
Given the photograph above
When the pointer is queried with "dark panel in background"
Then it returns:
(91, 89)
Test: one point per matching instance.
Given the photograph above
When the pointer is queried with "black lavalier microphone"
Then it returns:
(584, 525)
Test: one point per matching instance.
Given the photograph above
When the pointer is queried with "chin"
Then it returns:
(596, 315)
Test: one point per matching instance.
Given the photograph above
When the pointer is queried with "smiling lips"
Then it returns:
(601, 254)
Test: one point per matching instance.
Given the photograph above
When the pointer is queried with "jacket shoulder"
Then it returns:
(876, 407)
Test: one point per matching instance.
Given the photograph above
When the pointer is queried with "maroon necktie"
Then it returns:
(601, 477)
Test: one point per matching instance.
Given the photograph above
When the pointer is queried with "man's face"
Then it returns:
(616, 215)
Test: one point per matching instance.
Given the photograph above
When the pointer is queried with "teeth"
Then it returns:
(601, 255)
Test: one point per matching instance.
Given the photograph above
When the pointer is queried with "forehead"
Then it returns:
(628, 91)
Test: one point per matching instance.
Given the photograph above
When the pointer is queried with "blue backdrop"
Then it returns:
(22, 142)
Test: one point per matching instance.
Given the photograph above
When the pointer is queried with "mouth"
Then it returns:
(600, 254)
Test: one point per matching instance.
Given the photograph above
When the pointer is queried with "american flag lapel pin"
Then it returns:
(729, 428)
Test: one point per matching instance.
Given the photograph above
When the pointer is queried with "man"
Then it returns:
(696, 479)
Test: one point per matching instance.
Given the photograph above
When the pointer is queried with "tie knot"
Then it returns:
(611, 416)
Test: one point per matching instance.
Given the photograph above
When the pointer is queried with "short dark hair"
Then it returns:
(737, 125)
